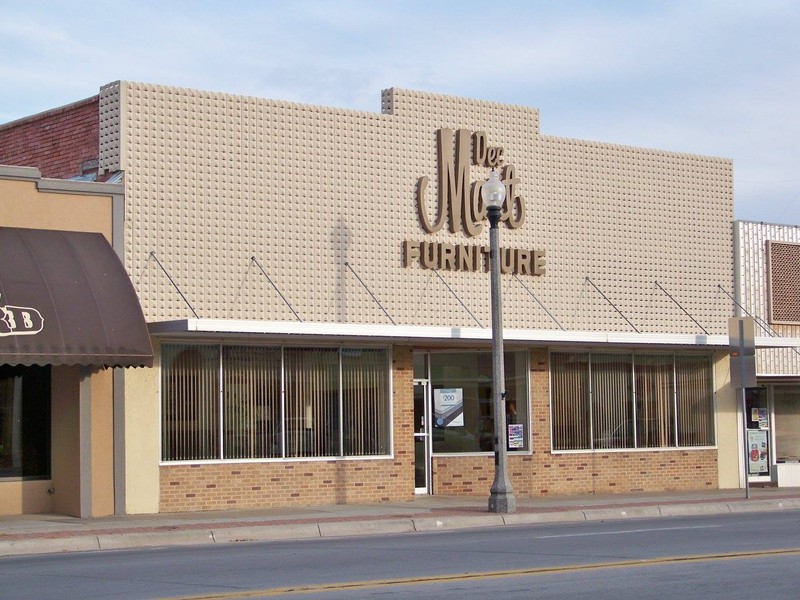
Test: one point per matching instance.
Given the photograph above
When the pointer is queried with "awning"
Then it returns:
(65, 299)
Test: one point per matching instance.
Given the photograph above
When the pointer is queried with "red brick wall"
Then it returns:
(545, 473)
(57, 142)
(304, 483)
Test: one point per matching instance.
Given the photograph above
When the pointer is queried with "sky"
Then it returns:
(711, 77)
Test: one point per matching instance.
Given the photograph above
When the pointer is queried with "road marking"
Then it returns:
(649, 529)
(403, 581)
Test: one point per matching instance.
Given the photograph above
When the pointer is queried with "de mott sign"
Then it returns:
(458, 204)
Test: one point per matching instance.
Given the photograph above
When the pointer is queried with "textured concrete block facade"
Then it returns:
(213, 180)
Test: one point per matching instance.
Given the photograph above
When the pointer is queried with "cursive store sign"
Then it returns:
(459, 204)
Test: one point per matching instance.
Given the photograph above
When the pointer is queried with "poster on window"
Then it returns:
(448, 407)
(516, 436)
(763, 418)
(757, 455)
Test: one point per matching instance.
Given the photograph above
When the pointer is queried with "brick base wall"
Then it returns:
(584, 473)
(268, 485)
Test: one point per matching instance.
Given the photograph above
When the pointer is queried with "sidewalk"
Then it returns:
(40, 534)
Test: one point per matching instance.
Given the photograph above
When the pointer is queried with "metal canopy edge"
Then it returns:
(422, 334)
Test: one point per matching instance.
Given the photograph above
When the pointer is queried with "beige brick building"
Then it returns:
(316, 285)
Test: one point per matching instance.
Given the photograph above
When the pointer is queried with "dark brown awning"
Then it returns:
(65, 299)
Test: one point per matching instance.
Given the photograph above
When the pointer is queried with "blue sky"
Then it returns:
(710, 77)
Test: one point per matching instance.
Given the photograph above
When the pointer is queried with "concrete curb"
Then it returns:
(629, 512)
(456, 522)
(380, 526)
(266, 533)
(762, 505)
(687, 510)
(564, 516)
(79, 543)
(119, 541)
(42, 544)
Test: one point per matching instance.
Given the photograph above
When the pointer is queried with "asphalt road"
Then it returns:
(734, 555)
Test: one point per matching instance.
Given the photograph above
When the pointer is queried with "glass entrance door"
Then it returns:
(758, 436)
(422, 438)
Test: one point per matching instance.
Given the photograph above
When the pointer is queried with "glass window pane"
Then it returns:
(190, 402)
(695, 400)
(420, 365)
(787, 423)
(462, 385)
(516, 365)
(251, 402)
(365, 402)
(612, 388)
(312, 402)
(25, 421)
(655, 401)
(570, 401)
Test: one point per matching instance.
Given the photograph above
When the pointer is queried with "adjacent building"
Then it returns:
(68, 316)
(768, 290)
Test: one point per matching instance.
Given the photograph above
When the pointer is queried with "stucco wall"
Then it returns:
(729, 425)
(142, 439)
(24, 205)
(28, 201)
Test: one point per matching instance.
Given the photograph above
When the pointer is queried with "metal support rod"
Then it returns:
(539, 302)
(474, 318)
(388, 316)
(658, 285)
(612, 305)
(175, 285)
(501, 498)
(263, 272)
(756, 319)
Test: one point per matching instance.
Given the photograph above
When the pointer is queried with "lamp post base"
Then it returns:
(502, 502)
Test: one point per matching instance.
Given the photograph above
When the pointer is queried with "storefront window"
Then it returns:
(607, 401)
(251, 401)
(365, 409)
(655, 401)
(612, 406)
(225, 402)
(463, 415)
(695, 400)
(24, 422)
(312, 402)
(190, 402)
(787, 423)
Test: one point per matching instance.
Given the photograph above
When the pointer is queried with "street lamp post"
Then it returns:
(501, 498)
